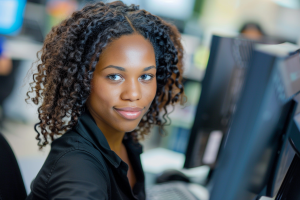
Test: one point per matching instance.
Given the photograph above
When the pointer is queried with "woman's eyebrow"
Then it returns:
(148, 68)
(116, 67)
(123, 69)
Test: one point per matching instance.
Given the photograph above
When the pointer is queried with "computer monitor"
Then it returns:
(262, 118)
(11, 16)
(221, 87)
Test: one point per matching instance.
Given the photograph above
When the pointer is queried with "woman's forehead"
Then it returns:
(131, 50)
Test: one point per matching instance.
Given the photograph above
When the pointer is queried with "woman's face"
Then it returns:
(123, 84)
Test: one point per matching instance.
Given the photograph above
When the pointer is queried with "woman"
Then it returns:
(105, 75)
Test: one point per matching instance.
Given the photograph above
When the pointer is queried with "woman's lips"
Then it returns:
(129, 112)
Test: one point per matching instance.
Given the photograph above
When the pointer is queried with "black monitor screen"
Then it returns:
(288, 154)
(221, 88)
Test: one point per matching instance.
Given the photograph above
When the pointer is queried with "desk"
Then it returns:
(157, 160)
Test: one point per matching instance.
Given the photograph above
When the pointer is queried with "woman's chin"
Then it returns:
(129, 127)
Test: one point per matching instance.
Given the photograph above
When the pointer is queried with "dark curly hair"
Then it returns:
(71, 51)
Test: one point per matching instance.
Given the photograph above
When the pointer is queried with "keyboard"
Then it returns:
(170, 191)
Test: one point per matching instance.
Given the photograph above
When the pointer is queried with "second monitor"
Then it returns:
(221, 88)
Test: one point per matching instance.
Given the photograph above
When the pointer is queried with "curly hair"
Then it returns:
(62, 83)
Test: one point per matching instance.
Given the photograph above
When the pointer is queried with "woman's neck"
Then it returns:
(113, 137)
(114, 140)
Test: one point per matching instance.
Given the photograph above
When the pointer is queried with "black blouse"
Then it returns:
(81, 166)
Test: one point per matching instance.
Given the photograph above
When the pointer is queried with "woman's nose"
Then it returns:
(131, 90)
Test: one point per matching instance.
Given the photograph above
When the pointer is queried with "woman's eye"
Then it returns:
(146, 77)
(115, 77)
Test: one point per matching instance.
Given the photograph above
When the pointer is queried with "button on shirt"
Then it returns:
(82, 166)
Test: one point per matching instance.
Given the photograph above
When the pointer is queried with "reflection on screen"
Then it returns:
(291, 74)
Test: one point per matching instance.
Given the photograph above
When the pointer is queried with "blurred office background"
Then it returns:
(197, 20)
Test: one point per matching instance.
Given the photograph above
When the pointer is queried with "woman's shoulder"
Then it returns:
(76, 173)
(71, 147)
(72, 141)
(71, 158)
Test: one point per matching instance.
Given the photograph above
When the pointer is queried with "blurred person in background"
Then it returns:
(252, 31)
(104, 77)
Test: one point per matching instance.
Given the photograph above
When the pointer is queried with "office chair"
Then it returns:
(11, 182)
